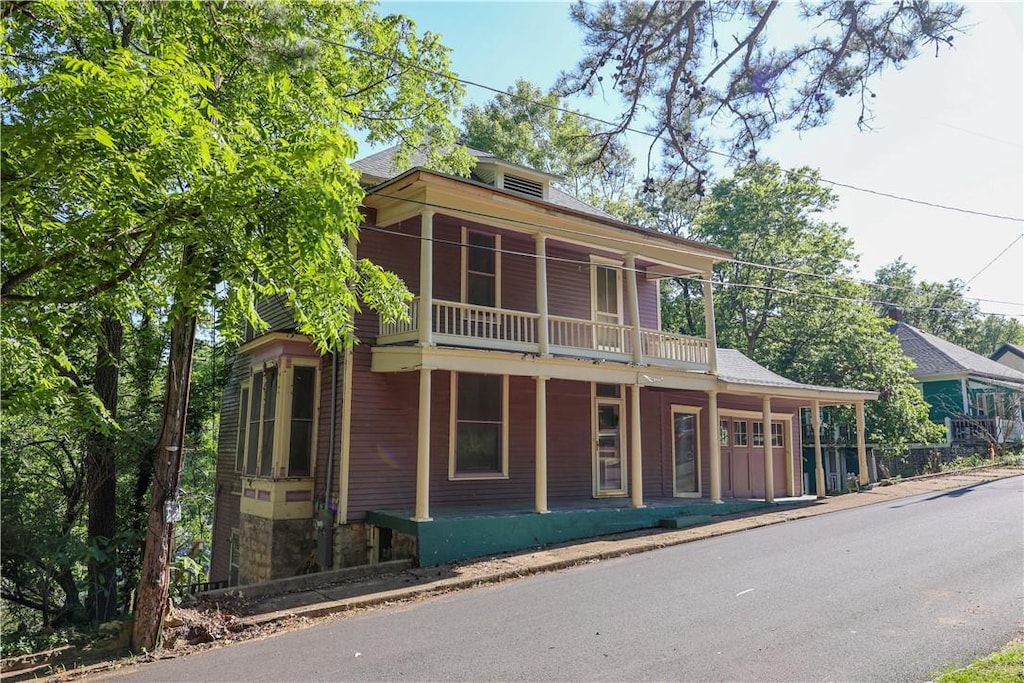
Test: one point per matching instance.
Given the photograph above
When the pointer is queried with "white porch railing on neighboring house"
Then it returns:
(483, 327)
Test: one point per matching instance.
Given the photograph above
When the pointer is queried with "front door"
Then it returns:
(685, 445)
(609, 470)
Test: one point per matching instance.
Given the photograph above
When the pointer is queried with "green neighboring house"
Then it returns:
(978, 399)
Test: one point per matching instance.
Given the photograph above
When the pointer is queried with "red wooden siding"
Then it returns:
(647, 297)
(568, 282)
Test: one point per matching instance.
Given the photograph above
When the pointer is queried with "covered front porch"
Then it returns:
(461, 532)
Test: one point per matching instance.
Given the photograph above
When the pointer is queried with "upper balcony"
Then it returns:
(482, 327)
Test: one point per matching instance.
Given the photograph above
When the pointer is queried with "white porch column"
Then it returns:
(709, 325)
(634, 308)
(426, 310)
(787, 437)
(769, 459)
(862, 451)
(636, 474)
(714, 448)
(541, 448)
(819, 469)
(423, 451)
(542, 293)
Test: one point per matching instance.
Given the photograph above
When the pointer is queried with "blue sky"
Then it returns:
(948, 130)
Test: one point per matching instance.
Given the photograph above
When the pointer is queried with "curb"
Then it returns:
(729, 524)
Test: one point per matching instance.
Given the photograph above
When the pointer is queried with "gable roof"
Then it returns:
(936, 356)
(1008, 349)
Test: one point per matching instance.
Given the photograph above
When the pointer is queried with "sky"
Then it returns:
(946, 130)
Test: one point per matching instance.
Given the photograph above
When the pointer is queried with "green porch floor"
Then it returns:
(461, 533)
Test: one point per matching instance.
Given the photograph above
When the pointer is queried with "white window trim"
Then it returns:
(463, 286)
(782, 434)
(695, 411)
(596, 261)
(453, 429)
(623, 440)
(753, 434)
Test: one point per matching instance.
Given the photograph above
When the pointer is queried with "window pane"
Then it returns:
(300, 440)
(777, 440)
(758, 428)
(303, 385)
(479, 447)
(607, 417)
(480, 289)
(269, 413)
(607, 390)
(723, 433)
(479, 397)
(243, 423)
(607, 291)
(739, 433)
(480, 256)
(255, 403)
(299, 448)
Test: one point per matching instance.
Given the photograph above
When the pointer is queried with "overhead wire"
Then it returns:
(714, 283)
(619, 128)
(626, 242)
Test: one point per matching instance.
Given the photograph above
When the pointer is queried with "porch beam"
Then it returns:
(769, 458)
(634, 308)
(819, 469)
(426, 312)
(541, 448)
(423, 451)
(714, 448)
(636, 477)
(709, 324)
(862, 451)
(542, 293)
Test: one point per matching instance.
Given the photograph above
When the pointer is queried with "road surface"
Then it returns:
(889, 592)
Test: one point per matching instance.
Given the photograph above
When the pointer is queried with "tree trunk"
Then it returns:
(154, 582)
(101, 479)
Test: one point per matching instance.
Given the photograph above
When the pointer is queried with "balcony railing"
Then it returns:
(458, 324)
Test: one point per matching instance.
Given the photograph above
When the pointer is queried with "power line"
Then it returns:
(619, 128)
(627, 242)
(996, 258)
(713, 283)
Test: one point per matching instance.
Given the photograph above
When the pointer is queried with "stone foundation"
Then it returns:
(274, 549)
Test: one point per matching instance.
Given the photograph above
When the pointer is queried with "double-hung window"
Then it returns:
(479, 430)
(481, 269)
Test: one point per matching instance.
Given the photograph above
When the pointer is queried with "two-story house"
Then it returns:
(530, 397)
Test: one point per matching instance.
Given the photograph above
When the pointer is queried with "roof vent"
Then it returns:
(523, 186)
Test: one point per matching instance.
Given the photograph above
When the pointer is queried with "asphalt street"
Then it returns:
(889, 592)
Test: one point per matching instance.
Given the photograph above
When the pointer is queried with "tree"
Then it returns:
(713, 77)
(156, 152)
(940, 308)
(531, 127)
(787, 300)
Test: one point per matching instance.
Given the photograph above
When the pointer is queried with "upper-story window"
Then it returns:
(481, 269)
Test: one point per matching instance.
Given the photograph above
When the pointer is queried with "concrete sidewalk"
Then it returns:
(398, 581)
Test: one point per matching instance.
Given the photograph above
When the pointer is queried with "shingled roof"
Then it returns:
(936, 356)
(736, 368)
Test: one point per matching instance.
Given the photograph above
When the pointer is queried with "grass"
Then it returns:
(1004, 666)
